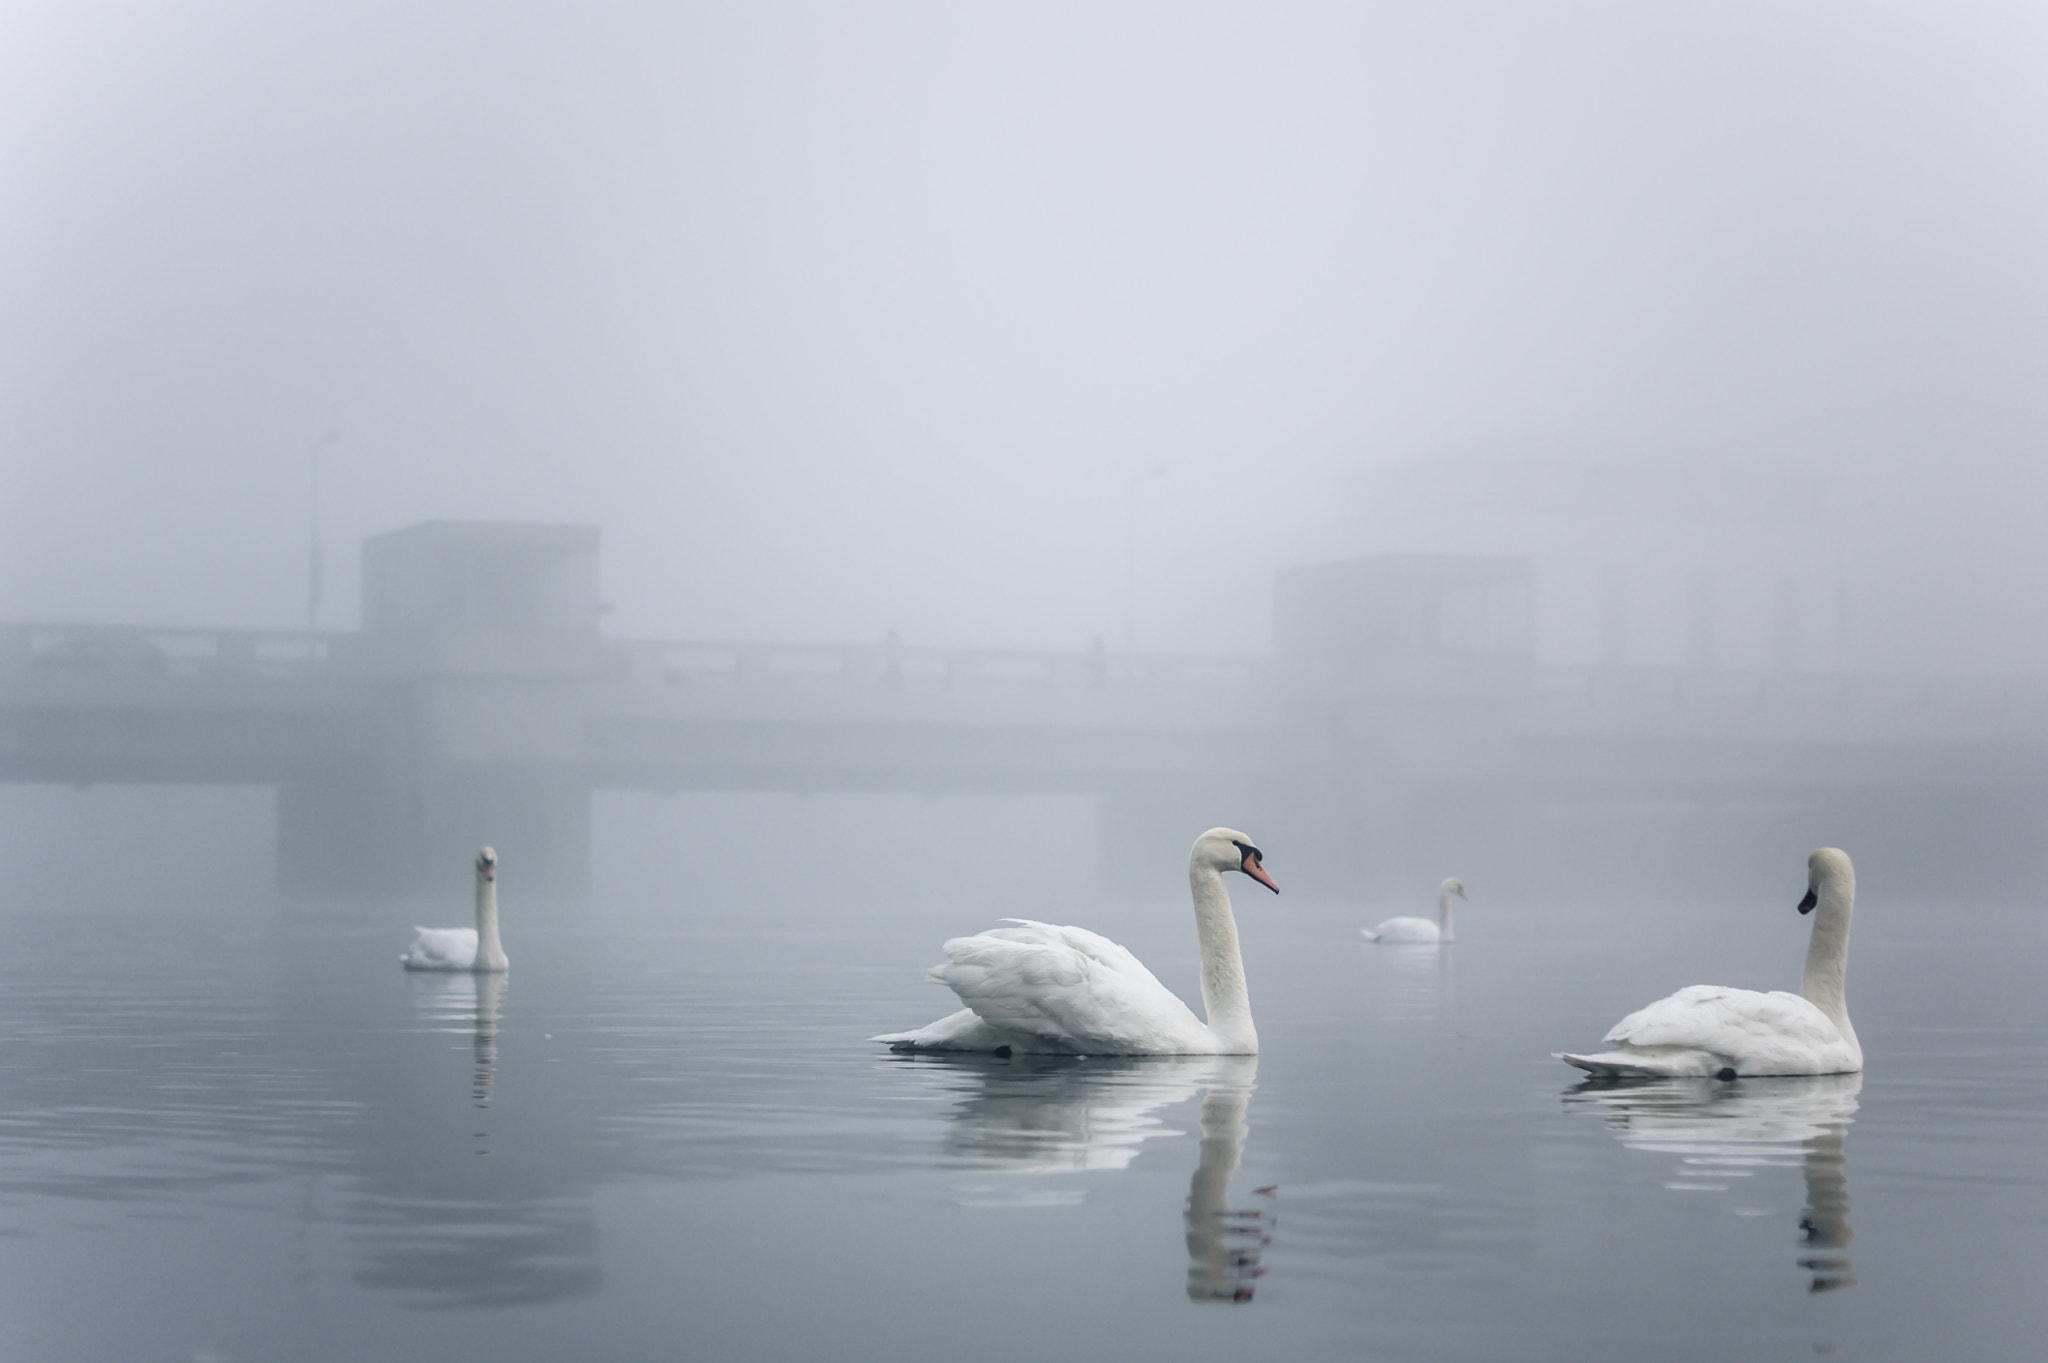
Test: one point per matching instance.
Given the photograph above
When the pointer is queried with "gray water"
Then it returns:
(255, 1137)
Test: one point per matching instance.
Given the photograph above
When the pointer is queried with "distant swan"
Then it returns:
(1705, 1029)
(1039, 988)
(1421, 931)
(474, 948)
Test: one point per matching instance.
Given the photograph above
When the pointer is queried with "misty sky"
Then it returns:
(844, 317)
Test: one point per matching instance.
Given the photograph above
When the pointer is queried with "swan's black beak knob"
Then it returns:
(1806, 904)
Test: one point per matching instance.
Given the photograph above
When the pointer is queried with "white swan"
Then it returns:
(1705, 1029)
(1039, 988)
(1420, 931)
(474, 948)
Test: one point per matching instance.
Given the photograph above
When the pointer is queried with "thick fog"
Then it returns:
(1032, 326)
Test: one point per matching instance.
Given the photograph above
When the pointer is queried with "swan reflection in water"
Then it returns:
(1722, 1131)
(448, 1221)
(465, 1003)
(1410, 983)
(1224, 1244)
(1069, 1114)
(487, 995)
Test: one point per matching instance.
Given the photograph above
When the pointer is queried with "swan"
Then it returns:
(474, 948)
(1420, 931)
(1705, 1029)
(1037, 988)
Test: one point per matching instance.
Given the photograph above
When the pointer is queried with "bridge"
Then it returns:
(481, 703)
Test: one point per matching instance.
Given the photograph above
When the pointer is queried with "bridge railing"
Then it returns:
(1904, 704)
(48, 658)
(80, 652)
(728, 667)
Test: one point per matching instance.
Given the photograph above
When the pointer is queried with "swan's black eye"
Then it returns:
(1248, 850)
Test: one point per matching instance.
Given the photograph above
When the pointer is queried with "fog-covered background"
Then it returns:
(840, 319)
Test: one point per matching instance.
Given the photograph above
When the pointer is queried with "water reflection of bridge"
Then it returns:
(479, 702)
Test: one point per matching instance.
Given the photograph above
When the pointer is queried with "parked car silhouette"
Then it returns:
(101, 653)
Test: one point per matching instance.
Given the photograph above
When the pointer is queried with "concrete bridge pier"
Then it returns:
(480, 640)
(354, 831)
(1399, 676)
(537, 816)
(331, 837)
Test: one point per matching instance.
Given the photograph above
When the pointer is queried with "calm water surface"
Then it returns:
(255, 1139)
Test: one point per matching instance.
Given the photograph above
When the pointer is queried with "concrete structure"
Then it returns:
(480, 703)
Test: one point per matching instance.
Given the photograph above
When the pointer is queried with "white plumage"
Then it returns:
(1040, 988)
(1704, 1029)
(1410, 931)
(1708, 1029)
(441, 949)
(474, 948)
(1074, 990)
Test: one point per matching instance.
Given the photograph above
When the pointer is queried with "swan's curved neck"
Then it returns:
(1443, 913)
(489, 954)
(1224, 996)
(1827, 954)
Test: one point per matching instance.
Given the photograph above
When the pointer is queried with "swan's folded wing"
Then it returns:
(442, 949)
(1070, 987)
(1730, 1022)
(961, 1031)
(1093, 945)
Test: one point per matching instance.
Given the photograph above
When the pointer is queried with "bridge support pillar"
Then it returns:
(331, 837)
(537, 817)
(352, 832)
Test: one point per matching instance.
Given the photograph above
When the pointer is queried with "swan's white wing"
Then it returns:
(1717, 1018)
(961, 1031)
(442, 949)
(1704, 1028)
(1093, 945)
(1405, 930)
(1069, 989)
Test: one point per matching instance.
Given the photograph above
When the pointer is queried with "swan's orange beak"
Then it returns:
(1250, 866)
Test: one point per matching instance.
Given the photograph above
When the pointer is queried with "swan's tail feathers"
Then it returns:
(1656, 1062)
(1368, 934)
(1612, 1064)
(961, 1031)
